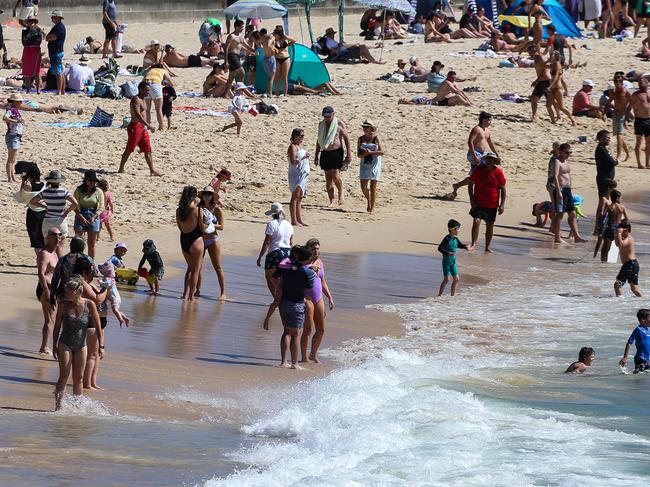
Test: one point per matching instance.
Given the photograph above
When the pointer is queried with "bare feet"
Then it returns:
(284, 365)
(488, 250)
(471, 247)
(223, 297)
(579, 240)
(97, 388)
(314, 359)
(45, 351)
(153, 173)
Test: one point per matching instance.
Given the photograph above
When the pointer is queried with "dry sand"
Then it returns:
(425, 153)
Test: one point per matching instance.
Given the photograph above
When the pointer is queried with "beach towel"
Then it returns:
(65, 125)
(202, 111)
(325, 138)
(191, 94)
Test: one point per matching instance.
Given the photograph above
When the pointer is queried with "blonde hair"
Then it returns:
(75, 285)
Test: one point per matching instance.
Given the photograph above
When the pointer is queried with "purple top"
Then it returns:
(315, 294)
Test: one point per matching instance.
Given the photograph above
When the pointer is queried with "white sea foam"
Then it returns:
(401, 413)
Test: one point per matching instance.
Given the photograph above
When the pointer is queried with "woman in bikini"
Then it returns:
(213, 219)
(431, 34)
(315, 313)
(74, 315)
(189, 219)
(281, 49)
(556, 90)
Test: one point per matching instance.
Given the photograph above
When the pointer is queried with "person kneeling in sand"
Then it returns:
(295, 278)
(586, 357)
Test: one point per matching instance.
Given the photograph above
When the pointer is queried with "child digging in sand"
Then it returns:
(448, 247)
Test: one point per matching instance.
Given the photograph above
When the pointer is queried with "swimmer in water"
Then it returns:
(586, 357)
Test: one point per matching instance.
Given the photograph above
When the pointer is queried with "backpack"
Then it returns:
(101, 118)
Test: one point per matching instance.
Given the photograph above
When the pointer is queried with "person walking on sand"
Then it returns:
(74, 315)
(298, 175)
(189, 219)
(55, 42)
(541, 84)
(487, 197)
(562, 195)
(370, 152)
(46, 263)
(641, 337)
(640, 105)
(110, 24)
(630, 269)
(15, 129)
(315, 314)
(448, 248)
(620, 99)
(614, 214)
(332, 136)
(90, 204)
(137, 130)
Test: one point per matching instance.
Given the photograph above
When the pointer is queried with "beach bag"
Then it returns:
(266, 109)
(396, 78)
(129, 89)
(101, 118)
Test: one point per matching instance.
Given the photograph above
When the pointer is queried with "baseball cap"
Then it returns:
(328, 110)
(588, 82)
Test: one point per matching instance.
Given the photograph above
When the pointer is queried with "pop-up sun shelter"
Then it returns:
(306, 69)
(559, 16)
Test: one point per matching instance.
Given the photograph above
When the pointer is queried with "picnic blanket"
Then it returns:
(203, 111)
(69, 125)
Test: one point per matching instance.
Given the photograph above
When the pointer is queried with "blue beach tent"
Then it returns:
(306, 69)
(560, 18)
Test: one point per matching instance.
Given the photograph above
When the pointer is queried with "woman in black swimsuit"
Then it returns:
(73, 318)
(31, 185)
(190, 223)
(281, 49)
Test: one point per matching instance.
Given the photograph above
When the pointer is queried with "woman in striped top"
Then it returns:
(54, 198)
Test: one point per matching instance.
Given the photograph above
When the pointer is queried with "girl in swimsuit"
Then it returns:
(314, 305)
(298, 174)
(281, 49)
(189, 219)
(213, 218)
(73, 317)
(556, 91)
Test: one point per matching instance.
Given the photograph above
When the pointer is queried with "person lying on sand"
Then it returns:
(343, 51)
(175, 59)
(296, 89)
(32, 106)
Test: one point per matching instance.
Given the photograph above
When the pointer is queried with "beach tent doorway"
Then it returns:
(560, 18)
(307, 69)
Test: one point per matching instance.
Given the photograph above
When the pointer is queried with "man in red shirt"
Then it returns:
(582, 106)
(487, 195)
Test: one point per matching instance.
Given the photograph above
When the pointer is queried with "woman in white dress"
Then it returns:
(298, 175)
(370, 152)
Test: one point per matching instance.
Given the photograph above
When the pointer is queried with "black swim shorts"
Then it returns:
(331, 159)
(642, 126)
(566, 204)
(234, 61)
(629, 273)
(109, 28)
(193, 61)
(640, 365)
(443, 103)
(488, 215)
(541, 88)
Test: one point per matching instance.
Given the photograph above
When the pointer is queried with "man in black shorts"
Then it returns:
(109, 21)
(235, 45)
(541, 84)
(332, 136)
(640, 104)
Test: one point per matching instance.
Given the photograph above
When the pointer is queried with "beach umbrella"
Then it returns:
(396, 5)
(256, 9)
(521, 20)
(308, 4)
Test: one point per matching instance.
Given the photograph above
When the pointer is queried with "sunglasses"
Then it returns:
(57, 235)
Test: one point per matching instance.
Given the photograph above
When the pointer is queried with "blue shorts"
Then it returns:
(292, 314)
(56, 63)
(12, 141)
(270, 65)
(472, 162)
(92, 227)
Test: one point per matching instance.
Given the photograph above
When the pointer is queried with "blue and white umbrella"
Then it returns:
(256, 9)
(396, 5)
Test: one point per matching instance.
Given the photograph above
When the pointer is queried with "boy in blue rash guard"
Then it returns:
(641, 337)
(448, 247)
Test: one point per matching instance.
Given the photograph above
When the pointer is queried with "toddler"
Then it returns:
(222, 177)
(169, 95)
(118, 253)
(156, 266)
(105, 216)
(108, 271)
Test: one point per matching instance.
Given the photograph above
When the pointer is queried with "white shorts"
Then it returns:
(60, 223)
(26, 12)
(155, 92)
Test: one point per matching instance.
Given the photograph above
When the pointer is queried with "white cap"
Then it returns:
(611, 86)
(413, 59)
(239, 86)
(588, 82)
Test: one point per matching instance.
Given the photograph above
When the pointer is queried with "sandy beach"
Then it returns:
(176, 355)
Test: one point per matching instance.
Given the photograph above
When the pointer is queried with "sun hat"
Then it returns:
(401, 62)
(56, 13)
(121, 245)
(54, 176)
(90, 175)
(329, 31)
(491, 155)
(368, 123)
(83, 60)
(276, 208)
(239, 86)
(413, 59)
(588, 82)
(328, 110)
(152, 43)
(208, 189)
(16, 97)
(437, 63)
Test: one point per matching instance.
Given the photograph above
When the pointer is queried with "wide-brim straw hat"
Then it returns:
(57, 13)
(369, 123)
(152, 43)
(276, 209)
(16, 97)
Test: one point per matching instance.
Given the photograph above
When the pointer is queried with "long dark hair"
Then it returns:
(33, 173)
(184, 204)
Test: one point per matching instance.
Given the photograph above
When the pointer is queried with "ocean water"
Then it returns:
(474, 394)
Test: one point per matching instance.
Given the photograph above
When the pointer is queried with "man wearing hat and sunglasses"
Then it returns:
(55, 41)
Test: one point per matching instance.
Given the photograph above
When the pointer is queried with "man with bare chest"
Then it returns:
(620, 98)
(235, 44)
(137, 130)
(562, 196)
(332, 136)
(640, 106)
(542, 83)
(46, 260)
